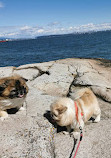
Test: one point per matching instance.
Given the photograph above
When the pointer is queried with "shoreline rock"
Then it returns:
(29, 134)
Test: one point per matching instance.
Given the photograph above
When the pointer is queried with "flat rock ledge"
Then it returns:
(28, 134)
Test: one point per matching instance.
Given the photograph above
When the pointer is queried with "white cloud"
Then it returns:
(92, 27)
(25, 28)
(40, 30)
(31, 32)
(1, 5)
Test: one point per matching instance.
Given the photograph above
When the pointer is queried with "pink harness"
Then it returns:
(76, 110)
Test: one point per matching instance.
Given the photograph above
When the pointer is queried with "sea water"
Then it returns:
(48, 48)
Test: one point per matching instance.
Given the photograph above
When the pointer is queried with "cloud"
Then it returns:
(52, 29)
(91, 27)
(40, 30)
(1, 5)
(25, 28)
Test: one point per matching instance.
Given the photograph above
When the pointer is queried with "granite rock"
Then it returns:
(28, 134)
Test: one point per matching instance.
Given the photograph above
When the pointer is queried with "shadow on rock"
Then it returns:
(92, 119)
(12, 111)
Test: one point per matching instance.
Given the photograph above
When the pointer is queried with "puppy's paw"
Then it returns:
(2, 118)
(22, 109)
(97, 119)
(65, 132)
(3, 115)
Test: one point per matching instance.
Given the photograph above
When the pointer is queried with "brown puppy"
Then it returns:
(13, 91)
(74, 113)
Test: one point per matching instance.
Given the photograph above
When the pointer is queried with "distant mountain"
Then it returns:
(4, 38)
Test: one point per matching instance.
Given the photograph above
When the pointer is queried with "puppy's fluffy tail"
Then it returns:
(79, 93)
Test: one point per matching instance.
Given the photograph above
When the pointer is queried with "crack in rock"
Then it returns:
(95, 69)
(34, 75)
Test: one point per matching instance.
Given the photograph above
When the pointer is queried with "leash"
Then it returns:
(81, 136)
(80, 128)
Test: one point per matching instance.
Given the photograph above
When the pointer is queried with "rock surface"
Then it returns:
(28, 134)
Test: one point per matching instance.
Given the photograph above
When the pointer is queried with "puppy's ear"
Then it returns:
(62, 109)
(2, 87)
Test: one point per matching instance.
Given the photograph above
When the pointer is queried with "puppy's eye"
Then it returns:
(55, 115)
(13, 91)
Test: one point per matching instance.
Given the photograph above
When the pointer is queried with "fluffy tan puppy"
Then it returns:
(74, 113)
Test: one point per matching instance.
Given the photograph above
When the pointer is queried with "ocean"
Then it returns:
(54, 47)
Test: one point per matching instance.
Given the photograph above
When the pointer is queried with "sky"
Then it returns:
(31, 18)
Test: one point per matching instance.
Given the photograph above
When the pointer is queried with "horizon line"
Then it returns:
(73, 33)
